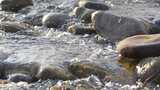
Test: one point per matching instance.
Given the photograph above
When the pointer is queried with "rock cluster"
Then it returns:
(137, 39)
(34, 71)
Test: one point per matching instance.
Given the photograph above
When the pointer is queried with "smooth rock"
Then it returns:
(54, 20)
(115, 28)
(85, 69)
(148, 70)
(53, 72)
(93, 5)
(80, 29)
(17, 77)
(14, 5)
(83, 14)
(140, 46)
(12, 27)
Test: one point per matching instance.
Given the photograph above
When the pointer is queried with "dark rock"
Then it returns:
(83, 14)
(93, 5)
(148, 70)
(140, 46)
(116, 28)
(85, 69)
(52, 72)
(14, 5)
(35, 20)
(54, 20)
(20, 77)
(12, 27)
(81, 29)
(30, 69)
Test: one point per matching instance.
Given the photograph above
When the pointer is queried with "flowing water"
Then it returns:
(47, 46)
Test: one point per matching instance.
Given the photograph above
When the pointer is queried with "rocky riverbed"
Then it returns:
(63, 45)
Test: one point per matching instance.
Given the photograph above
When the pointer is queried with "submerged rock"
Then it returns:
(148, 70)
(140, 46)
(53, 72)
(85, 69)
(116, 28)
(12, 27)
(20, 77)
(21, 72)
(54, 20)
(93, 5)
(14, 5)
(81, 29)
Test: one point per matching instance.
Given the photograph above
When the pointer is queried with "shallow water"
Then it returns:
(50, 46)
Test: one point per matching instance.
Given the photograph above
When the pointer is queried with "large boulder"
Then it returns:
(54, 20)
(116, 28)
(140, 46)
(14, 5)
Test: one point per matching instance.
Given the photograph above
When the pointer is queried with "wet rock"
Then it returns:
(54, 20)
(35, 20)
(53, 72)
(93, 5)
(83, 14)
(115, 28)
(81, 29)
(148, 70)
(18, 71)
(14, 5)
(85, 69)
(17, 77)
(12, 27)
(140, 46)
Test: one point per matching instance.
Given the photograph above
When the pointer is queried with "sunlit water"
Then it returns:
(50, 46)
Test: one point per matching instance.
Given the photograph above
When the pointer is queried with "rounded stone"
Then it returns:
(115, 28)
(14, 5)
(84, 69)
(80, 29)
(93, 5)
(140, 46)
(148, 70)
(52, 72)
(54, 20)
(12, 27)
(83, 14)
